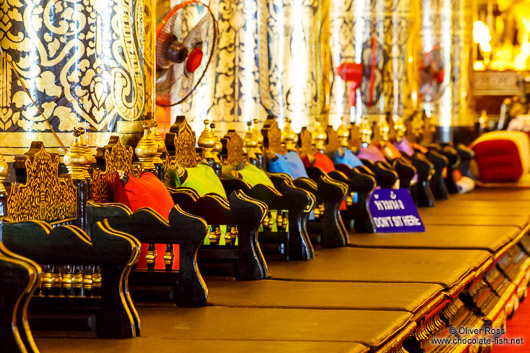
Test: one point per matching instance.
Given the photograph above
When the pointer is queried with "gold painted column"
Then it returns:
(376, 34)
(82, 63)
(294, 59)
(229, 92)
(446, 36)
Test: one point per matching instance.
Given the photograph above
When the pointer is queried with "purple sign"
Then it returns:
(393, 211)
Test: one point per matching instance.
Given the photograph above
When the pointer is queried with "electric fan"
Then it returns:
(185, 43)
(431, 75)
(368, 75)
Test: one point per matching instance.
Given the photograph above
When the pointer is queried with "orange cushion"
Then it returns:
(146, 191)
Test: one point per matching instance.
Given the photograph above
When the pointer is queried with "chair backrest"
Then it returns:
(232, 152)
(305, 141)
(272, 137)
(332, 144)
(45, 196)
(111, 158)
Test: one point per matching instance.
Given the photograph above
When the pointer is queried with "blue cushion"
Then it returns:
(349, 158)
(290, 164)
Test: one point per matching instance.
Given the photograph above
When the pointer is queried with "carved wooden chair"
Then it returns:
(361, 136)
(240, 213)
(186, 286)
(292, 204)
(328, 192)
(17, 284)
(81, 274)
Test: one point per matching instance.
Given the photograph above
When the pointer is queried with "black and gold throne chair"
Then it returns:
(232, 243)
(177, 237)
(284, 229)
(84, 277)
(329, 193)
(18, 281)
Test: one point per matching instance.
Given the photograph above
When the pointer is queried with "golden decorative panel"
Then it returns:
(234, 148)
(333, 140)
(45, 196)
(82, 61)
(306, 139)
(184, 140)
(272, 137)
(117, 157)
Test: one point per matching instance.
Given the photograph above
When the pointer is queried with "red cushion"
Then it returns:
(146, 191)
(498, 161)
(323, 162)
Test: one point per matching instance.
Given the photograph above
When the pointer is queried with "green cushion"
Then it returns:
(202, 179)
(254, 176)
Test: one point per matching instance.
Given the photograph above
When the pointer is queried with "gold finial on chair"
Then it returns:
(249, 142)
(3, 174)
(147, 147)
(384, 129)
(343, 135)
(218, 144)
(417, 125)
(319, 136)
(258, 136)
(289, 137)
(161, 145)
(399, 128)
(365, 130)
(78, 158)
(207, 141)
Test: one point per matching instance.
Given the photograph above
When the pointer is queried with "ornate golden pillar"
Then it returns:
(294, 59)
(82, 63)
(374, 33)
(272, 58)
(229, 92)
(446, 44)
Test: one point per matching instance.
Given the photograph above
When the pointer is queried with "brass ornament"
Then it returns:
(289, 137)
(78, 158)
(365, 132)
(384, 130)
(3, 174)
(343, 135)
(147, 148)
(258, 136)
(250, 143)
(207, 141)
(161, 145)
(400, 129)
(218, 144)
(319, 136)
(45, 196)
(417, 126)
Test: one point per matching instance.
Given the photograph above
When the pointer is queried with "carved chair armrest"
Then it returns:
(148, 226)
(18, 282)
(114, 251)
(239, 210)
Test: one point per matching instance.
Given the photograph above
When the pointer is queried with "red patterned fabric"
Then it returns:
(147, 191)
(498, 161)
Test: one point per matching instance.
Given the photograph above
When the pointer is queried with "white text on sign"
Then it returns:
(396, 221)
